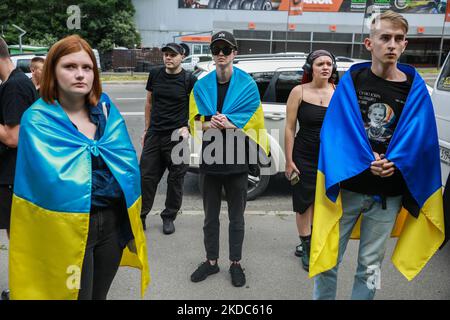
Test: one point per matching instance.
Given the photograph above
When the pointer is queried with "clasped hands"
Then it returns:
(220, 121)
(381, 166)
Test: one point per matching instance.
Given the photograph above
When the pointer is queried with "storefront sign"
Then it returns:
(298, 6)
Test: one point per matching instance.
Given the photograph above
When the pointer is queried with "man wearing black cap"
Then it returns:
(166, 110)
(227, 103)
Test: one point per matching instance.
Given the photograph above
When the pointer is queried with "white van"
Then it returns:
(441, 103)
(23, 61)
(191, 61)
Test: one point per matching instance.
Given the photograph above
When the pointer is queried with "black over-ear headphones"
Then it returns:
(307, 67)
(186, 49)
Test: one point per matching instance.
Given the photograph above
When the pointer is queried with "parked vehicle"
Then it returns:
(275, 75)
(441, 98)
(191, 61)
(23, 62)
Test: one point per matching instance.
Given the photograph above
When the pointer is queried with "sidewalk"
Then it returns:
(272, 270)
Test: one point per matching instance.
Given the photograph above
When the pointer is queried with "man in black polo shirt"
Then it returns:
(17, 93)
(166, 110)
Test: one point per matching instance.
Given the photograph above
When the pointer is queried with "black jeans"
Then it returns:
(155, 159)
(103, 253)
(6, 195)
(236, 194)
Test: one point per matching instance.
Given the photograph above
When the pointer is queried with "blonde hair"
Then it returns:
(395, 18)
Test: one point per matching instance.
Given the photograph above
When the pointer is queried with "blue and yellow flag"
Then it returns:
(52, 201)
(242, 105)
(345, 152)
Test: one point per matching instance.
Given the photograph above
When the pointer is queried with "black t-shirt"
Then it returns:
(170, 99)
(16, 95)
(381, 103)
(234, 143)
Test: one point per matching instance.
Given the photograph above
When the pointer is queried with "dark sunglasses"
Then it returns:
(227, 50)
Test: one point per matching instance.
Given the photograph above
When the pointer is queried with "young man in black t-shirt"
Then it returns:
(224, 165)
(17, 93)
(377, 192)
(166, 110)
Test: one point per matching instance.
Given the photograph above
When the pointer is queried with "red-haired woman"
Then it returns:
(307, 104)
(75, 215)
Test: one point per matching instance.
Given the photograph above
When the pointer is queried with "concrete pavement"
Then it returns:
(272, 270)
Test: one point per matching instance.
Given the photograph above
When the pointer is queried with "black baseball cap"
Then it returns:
(175, 47)
(224, 36)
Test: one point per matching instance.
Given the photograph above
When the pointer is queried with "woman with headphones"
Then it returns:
(307, 104)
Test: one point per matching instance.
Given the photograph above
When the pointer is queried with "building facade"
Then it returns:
(336, 25)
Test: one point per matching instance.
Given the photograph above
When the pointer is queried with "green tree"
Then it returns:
(104, 23)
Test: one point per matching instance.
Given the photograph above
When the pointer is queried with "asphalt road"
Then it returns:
(273, 272)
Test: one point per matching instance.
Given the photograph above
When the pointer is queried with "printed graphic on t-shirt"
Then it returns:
(380, 118)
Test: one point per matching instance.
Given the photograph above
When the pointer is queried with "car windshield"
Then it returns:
(24, 65)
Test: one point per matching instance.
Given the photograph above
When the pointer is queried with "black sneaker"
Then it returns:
(5, 295)
(168, 226)
(203, 271)
(237, 275)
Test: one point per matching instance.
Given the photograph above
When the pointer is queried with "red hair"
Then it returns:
(307, 77)
(68, 45)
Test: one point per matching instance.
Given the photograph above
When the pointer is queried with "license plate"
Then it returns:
(445, 155)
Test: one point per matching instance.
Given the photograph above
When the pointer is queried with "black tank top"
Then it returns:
(310, 118)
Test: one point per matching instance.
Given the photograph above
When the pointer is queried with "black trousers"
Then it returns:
(6, 194)
(236, 194)
(155, 159)
(103, 253)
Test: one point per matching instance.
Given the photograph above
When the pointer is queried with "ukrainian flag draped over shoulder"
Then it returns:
(52, 200)
(345, 152)
(242, 105)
